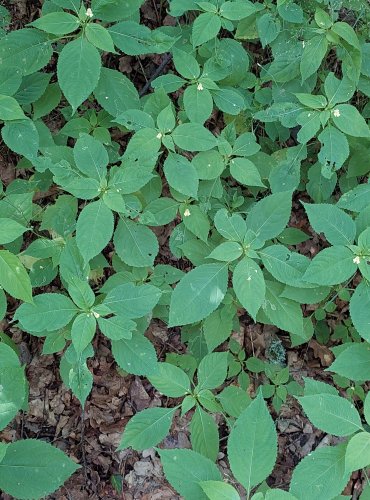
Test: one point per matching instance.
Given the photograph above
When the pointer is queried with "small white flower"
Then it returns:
(187, 213)
(199, 86)
(336, 113)
(89, 13)
(356, 260)
(159, 135)
(303, 44)
(97, 315)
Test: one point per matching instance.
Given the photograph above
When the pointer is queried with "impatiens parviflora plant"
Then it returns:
(258, 120)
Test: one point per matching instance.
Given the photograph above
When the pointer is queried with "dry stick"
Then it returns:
(156, 73)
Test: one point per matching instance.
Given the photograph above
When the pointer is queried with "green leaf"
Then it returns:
(198, 103)
(57, 23)
(249, 286)
(353, 362)
(198, 294)
(117, 327)
(252, 445)
(356, 199)
(212, 371)
(321, 474)
(31, 47)
(193, 137)
(337, 226)
(10, 109)
(358, 452)
(83, 331)
(147, 428)
(21, 137)
(115, 92)
(170, 380)
(78, 80)
(245, 172)
(13, 277)
(136, 355)
(285, 266)
(345, 31)
(331, 266)
(218, 490)
(12, 388)
(205, 27)
(132, 301)
(331, 414)
(33, 469)
(269, 216)
(217, 326)
(230, 227)
(350, 121)
(10, 230)
(313, 53)
(94, 229)
(91, 157)
(181, 175)
(185, 469)
(204, 434)
(196, 221)
(227, 251)
(360, 309)
(49, 311)
(334, 150)
(100, 37)
(135, 244)
(237, 10)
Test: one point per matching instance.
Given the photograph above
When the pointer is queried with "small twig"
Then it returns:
(83, 451)
(167, 58)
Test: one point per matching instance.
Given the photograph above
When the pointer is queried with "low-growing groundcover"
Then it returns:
(182, 202)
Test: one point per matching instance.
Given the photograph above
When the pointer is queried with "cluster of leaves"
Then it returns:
(263, 105)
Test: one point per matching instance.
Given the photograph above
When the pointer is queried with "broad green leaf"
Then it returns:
(356, 199)
(181, 175)
(147, 428)
(193, 137)
(48, 312)
(337, 226)
(331, 266)
(212, 371)
(170, 380)
(358, 452)
(217, 327)
(91, 157)
(57, 23)
(227, 251)
(338, 90)
(268, 28)
(331, 414)
(33, 469)
(218, 490)
(345, 31)
(79, 79)
(269, 216)
(285, 266)
(117, 327)
(320, 475)
(232, 227)
(10, 230)
(135, 244)
(204, 434)
(209, 164)
(12, 390)
(136, 355)
(252, 445)
(249, 285)
(198, 294)
(196, 221)
(115, 92)
(360, 309)
(229, 101)
(13, 277)
(132, 301)
(353, 362)
(237, 10)
(284, 313)
(94, 229)
(30, 47)
(80, 292)
(100, 37)
(205, 27)
(313, 53)
(198, 103)
(21, 137)
(185, 469)
(83, 331)
(10, 109)
(350, 121)
(245, 172)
